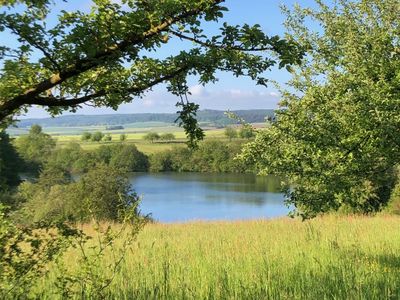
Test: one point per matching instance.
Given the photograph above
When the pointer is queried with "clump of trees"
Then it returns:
(245, 131)
(167, 137)
(101, 193)
(34, 148)
(151, 137)
(210, 156)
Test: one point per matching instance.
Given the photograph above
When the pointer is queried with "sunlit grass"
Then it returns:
(327, 258)
(137, 138)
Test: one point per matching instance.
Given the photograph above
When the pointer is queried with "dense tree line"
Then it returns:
(210, 156)
(213, 117)
(67, 183)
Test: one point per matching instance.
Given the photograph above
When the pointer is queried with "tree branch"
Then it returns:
(224, 47)
(85, 64)
(60, 102)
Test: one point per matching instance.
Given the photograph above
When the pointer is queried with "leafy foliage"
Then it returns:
(35, 147)
(167, 137)
(230, 132)
(10, 163)
(336, 137)
(97, 136)
(210, 156)
(106, 57)
(152, 137)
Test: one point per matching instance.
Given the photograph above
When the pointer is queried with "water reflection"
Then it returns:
(174, 197)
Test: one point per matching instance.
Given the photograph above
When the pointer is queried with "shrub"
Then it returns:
(167, 137)
(97, 136)
(151, 136)
(86, 136)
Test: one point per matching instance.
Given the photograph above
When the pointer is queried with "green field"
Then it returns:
(135, 136)
(327, 258)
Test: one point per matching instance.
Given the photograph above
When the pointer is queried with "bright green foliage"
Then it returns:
(326, 258)
(337, 135)
(102, 193)
(210, 156)
(35, 147)
(107, 138)
(230, 132)
(109, 55)
(152, 137)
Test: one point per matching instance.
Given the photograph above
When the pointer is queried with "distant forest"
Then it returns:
(212, 117)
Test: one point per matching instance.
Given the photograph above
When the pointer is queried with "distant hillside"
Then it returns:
(213, 117)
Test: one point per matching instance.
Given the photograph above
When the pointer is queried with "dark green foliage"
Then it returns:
(167, 137)
(210, 156)
(122, 137)
(152, 137)
(72, 159)
(10, 163)
(97, 136)
(101, 193)
(128, 158)
(35, 148)
(246, 131)
(187, 119)
(86, 136)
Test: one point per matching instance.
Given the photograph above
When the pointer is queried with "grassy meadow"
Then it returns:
(327, 258)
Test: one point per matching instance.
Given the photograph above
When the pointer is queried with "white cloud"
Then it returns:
(160, 101)
(198, 91)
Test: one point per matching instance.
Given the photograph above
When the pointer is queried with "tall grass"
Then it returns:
(326, 258)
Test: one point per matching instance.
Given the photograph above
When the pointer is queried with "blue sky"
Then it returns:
(229, 93)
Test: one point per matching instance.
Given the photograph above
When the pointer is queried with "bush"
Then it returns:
(246, 131)
(129, 158)
(151, 136)
(230, 133)
(35, 148)
(97, 136)
(86, 136)
(167, 137)
(107, 138)
(101, 194)
(122, 137)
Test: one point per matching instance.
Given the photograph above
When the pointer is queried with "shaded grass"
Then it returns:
(327, 258)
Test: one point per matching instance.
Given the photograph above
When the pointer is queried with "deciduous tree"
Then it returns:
(336, 138)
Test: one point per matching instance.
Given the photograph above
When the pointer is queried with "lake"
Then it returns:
(179, 197)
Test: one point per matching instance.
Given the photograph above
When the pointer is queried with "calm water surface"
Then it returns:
(177, 197)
